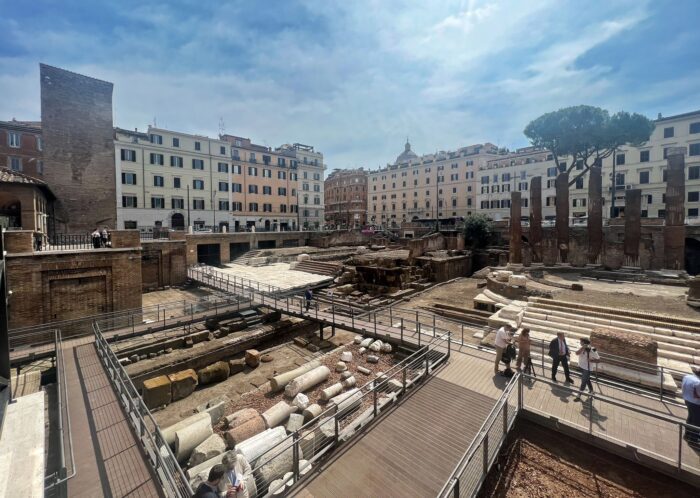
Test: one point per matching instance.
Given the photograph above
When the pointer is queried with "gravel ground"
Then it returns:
(539, 462)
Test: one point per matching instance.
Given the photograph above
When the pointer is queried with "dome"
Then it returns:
(406, 155)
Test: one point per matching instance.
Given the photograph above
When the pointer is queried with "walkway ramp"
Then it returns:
(412, 450)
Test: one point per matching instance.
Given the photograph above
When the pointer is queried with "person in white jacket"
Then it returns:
(587, 357)
(238, 476)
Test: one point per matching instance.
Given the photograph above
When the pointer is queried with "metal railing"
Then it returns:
(471, 471)
(340, 423)
(160, 315)
(67, 468)
(159, 455)
(66, 242)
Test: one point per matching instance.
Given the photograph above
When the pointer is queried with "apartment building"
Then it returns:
(310, 172)
(21, 147)
(346, 198)
(428, 187)
(172, 179)
(641, 167)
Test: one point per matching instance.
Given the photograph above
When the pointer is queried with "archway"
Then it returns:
(692, 256)
(177, 221)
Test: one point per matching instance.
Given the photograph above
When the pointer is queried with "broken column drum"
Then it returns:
(279, 382)
(307, 381)
(209, 448)
(244, 431)
(277, 414)
(240, 417)
(169, 432)
(188, 438)
(331, 391)
(252, 448)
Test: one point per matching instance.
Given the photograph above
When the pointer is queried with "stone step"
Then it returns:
(660, 335)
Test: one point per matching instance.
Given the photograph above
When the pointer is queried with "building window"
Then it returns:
(252, 189)
(662, 213)
(693, 212)
(694, 149)
(251, 158)
(644, 156)
(620, 159)
(16, 163)
(156, 139)
(665, 152)
(281, 191)
(157, 203)
(694, 173)
(128, 155)
(267, 208)
(198, 146)
(130, 225)
(484, 180)
(237, 187)
(579, 183)
(253, 207)
(695, 127)
(283, 208)
(551, 172)
(668, 132)
(222, 150)
(267, 190)
(267, 173)
(252, 171)
(223, 167)
(223, 186)
(40, 167)
(176, 182)
(158, 181)
(317, 200)
(236, 169)
(176, 161)
(176, 142)
(14, 139)
(177, 203)
(281, 162)
(693, 196)
(198, 164)
(198, 204)
(157, 159)
(237, 206)
(305, 186)
(649, 198)
(129, 201)
(223, 205)
(198, 184)
(317, 187)
(643, 177)
(664, 174)
(281, 175)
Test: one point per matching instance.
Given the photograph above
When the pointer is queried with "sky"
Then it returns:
(354, 78)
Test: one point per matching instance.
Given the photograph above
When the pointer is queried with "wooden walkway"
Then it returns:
(412, 450)
(108, 458)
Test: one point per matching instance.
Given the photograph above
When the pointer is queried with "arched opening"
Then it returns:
(177, 221)
(267, 225)
(692, 256)
(222, 225)
(10, 212)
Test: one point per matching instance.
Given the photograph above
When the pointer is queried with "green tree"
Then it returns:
(586, 135)
(477, 230)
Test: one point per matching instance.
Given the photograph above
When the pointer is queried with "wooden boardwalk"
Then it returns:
(108, 458)
(412, 450)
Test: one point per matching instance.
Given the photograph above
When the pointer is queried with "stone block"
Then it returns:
(183, 383)
(252, 357)
(157, 392)
(301, 342)
(236, 366)
(216, 372)
(372, 359)
(296, 420)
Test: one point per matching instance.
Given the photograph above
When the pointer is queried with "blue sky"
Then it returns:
(354, 78)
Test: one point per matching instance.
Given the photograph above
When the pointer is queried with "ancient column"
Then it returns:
(674, 229)
(536, 218)
(516, 231)
(595, 212)
(633, 222)
(561, 184)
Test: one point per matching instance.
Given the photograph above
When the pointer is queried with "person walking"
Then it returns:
(96, 238)
(691, 395)
(210, 487)
(559, 352)
(104, 237)
(524, 351)
(587, 357)
(503, 337)
(308, 296)
(237, 471)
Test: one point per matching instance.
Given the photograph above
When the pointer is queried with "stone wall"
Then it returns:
(430, 243)
(163, 263)
(72, 284)
(627, 345)
(339, 238)
(76, 120)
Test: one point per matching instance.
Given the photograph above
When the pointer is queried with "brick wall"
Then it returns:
(627, 345)
(73, 284)
(76, 116)
(163, 264)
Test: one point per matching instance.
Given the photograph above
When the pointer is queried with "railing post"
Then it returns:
(418, 330)
(295, 452)
(590, 415)
(337, 428)
(462, 334)
(402, 330)
(505, 416)
(352, 316)
(485, 460)
(374, 395)
(542, 355)
(427, 364)
(403, 379)
(680, 446)
(375, 324)
(661, 385)
(433, 325)
(520, 392)
(455, 489)
(391, 318)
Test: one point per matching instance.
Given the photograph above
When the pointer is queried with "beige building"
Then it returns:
(634, 168)
(172, 179)
(428, 187)
(310, 171)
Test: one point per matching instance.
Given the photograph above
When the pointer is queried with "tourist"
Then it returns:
(691, 395)
(587, 356)
(96, 238)
(237, 469)
(503, 337)
(210, 487)
(104, 236)
(524, 351)
(308, 296)
(559, 352)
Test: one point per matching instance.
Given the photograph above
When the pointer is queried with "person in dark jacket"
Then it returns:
(559, 352)
(210, 487)
(308, 295)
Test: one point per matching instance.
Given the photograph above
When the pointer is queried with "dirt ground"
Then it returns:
(538, 462)
(174, 295)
